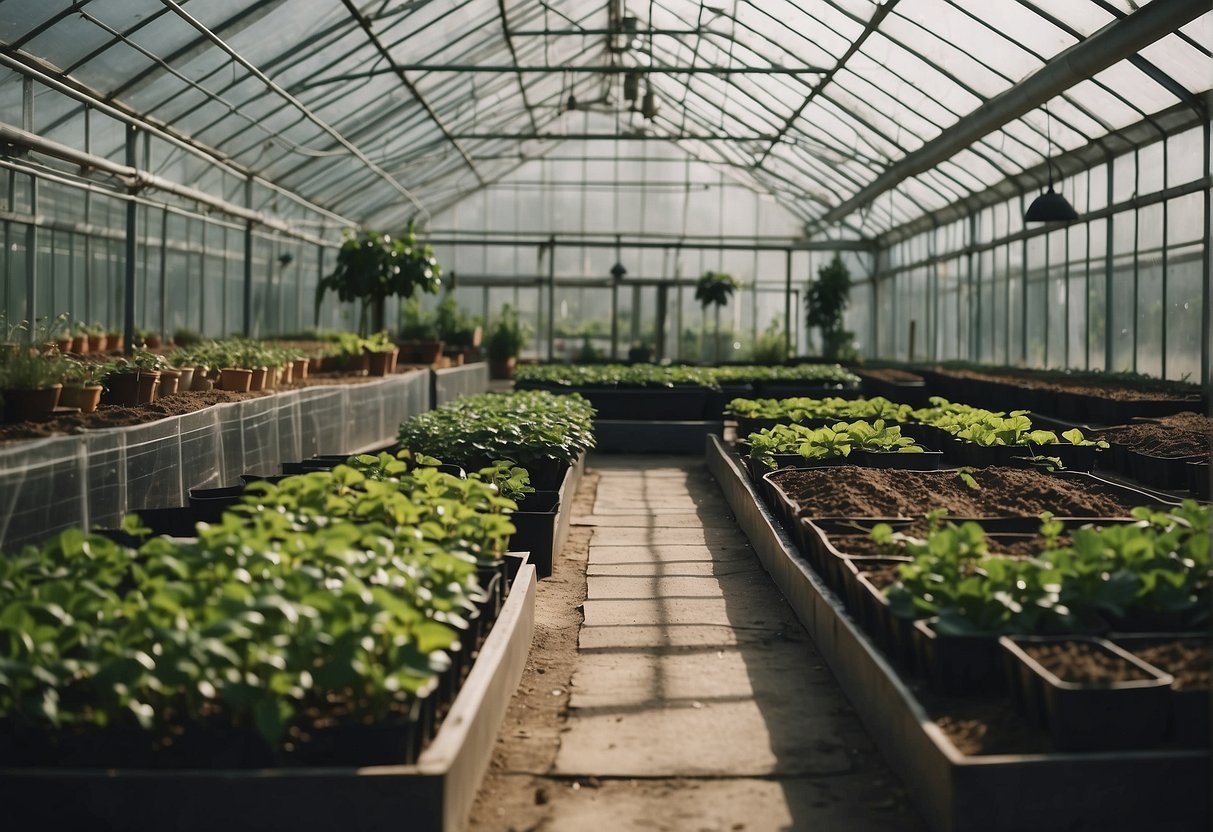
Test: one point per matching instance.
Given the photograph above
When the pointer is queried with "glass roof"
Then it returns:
(378, 110)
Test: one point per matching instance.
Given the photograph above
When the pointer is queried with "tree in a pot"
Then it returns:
(373, 266)
(30, 382)
(715, 289)
(825, 300)
(507, 336)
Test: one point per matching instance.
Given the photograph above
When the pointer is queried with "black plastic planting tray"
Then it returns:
(1129, 791)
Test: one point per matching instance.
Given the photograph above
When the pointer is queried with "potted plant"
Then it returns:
(373, 266)
(133, 380)
(31, 383)
(715, 289)
(98, 341)
(149, 338)
(456, 328)
(419, 335)
(82, 385)
(507, 336)
(382, 353)
(115, 340)
(825, 300)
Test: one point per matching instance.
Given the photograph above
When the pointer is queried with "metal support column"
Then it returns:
(615, 320)
(552, 298)
(787, 304)
(132, 233)
(1109, 308)
(248, 262)
(1206, 283)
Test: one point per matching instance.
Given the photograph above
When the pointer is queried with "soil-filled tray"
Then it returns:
(1189, 659)
(1007, 492)
(659, 404)
(634, 436)
(959, 792)
(434, 795)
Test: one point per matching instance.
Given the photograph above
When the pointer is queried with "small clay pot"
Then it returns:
(24, 405)
(286, 374)
(152, 342)
(98, 343)
(80, 344)
(202, 381)
(235, 379)
(186, 382)
(380, 363)
(115, 343)
(170, 383)
(85, 397)
(149, 383)
(257, 379)
(300, 367)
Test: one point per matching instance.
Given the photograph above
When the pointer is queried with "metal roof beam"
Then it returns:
(1111, 44)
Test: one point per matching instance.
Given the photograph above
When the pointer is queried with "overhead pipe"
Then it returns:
(136, 180)
(1111, 44)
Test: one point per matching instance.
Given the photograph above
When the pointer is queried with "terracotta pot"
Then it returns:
(202, 380)
(80, 344)
(427, 352)
(381, 363)
(358, 365)
(502, 368)
(149, 383)
(64, 344)
(257, 379)
(23, 405)
(85, 397)
(235, 379)
(115, 342)
(186, 383)
(300, 367)
(97, 343)
(271, 378)
(170, 383)
(152, 342)
(286, 374)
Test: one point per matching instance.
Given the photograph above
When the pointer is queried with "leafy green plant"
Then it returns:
(654, 375)
(373, 266)
(416, 324)
(799, 409)
(771, 345)
(825, 300)
(990, 428)
(454, 326)
(715, 289)
(828, 442)
(507, 335)
(28, 369)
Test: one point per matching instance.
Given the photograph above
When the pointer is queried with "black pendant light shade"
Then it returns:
(1050, 207)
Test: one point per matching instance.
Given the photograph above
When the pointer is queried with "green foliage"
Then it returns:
(27, 369)
(527, 428)
(829, 442)
(771, 345)
(244, 353)
(825, 300)
(416, 324)
(655, 375)
(508, 335)
(454, 326)
(715, 289)
(799, 409)
(989, 428)
(373, 266)
(1155, 569)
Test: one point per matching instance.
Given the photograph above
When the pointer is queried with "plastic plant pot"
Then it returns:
(25, 405)
(149, 384)
(958, 664)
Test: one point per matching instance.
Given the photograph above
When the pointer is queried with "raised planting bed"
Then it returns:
(96, 477)
(1156, 452)
(936, 744)
(898, 385)
(435, 794)
(543, 521)
(1084, 398)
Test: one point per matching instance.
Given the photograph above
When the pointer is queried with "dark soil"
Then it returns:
(850, 491)
(114, 416)
(890, 375)
(1185, 434)
(863, 546)
(1086, 387)
(1190, 662)
(1084, 663)
(883, 576)
(986, 725)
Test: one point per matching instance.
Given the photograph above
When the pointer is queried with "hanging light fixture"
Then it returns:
(1050, 206)
(571, 106)
(649, 107)
(618, 271)
(631, 86)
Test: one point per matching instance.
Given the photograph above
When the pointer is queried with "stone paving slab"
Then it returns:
(687, 519)
(648, 637)
(672, 554)
(822, 804)
(675, 569)
(711, 611)
(656, 536)
(720, 738)
(737, 587)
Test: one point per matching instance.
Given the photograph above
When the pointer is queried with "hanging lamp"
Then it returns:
(1050, 206)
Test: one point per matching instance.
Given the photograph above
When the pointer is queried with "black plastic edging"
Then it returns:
(1126, 791)
(435, 795)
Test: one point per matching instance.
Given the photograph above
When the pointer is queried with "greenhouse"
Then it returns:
(466, 415)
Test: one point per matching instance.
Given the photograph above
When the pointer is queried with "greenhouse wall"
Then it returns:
(988, 289)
